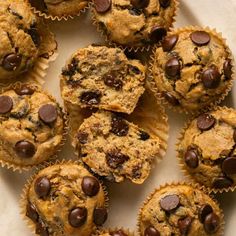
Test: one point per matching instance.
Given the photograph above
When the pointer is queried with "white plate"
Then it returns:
(125, 199)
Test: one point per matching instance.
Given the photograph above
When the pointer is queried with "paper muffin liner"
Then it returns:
(182, 165)
(19, 168)
(23, 198)
(153, 87)
(109, 230)
(124, 47)
(176, 184)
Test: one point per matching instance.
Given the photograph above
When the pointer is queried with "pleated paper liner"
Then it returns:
(4, 152)
(182, 165)
(125, 47)
(175, 185)
(106, 232)
(47, 54)
(159, 73)
(23, 200)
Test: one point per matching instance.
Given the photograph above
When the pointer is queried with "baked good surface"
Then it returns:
(114, 232)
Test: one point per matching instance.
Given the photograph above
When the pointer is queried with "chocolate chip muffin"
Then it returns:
(104, 78)
(180, 209)
(115, 148)
(134, 23)
(193, 69)
(113, 232)
(58, 8)
(64, 199)
(32, 126)
(207, 151)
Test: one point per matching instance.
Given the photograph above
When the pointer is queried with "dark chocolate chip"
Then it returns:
(48, 113)
(184, 225)
(191, 158)
(71, 68)
(102, 6)
(115, 158)
(234, 136)
(113, 82)
(211, 223)
(134, 69)
(25, 149)
(222, 182)
(227, 68)
(118, 233)
(82, 137)
(41, 228)
(151, 231)
(91, 97)
(164, 3)
(42, 187)
(229, 166)
(24, 90)
(144, 135)
(211, 77)
(169, 202)
(99, 216)
(205, 122)
(200, 38)
(204, 211)
(31, 212)
(171, 98)
(140, 4)
(169, 42)
(11, 62)
(77, 216)
(33, 32)
(38, 4)
(172, 67)
(6, 104)
(90, 186)
(157, 34)
(119, 126)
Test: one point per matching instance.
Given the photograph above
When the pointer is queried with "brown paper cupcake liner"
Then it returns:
(182, 165)
(104, 231)
(23, 199)
(19, 168)
(182, 183)
(153, 87)
(124, 47)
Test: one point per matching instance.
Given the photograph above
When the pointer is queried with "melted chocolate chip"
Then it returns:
(205, 122)
(91, 97)
(11, 62)
(118, 233)
(6, 104)
(200, 38)
(211, 223)
(82, 137)
(191, 158)
(99, 216)
(113, 82)
(144, 135)
(102, 6)
(115, 158)
(41, 228)
(140, 4)
(48, 113)
(38, 4)
(227, 68)
(204, 211)
(165, 3)
(157, 34)
(33, 32)
(119, 126)
(211, 77)
(172, 67)
(151, 231)
(77, 217)
(24, 90)
(71, 68)
(90, 186)
(222, 182)
(184, 225)
(169, 202)
(25, 149)
(229, 166)
(42, 187)
(171, 98)
(169, 42)
(31, 212)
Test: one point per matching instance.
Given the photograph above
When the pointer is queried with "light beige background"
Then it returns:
(125, 198)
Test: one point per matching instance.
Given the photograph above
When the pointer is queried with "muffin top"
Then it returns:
(31, 124)
(192, 69)
(114, 232)
(134, 23)
(65, 199)
(180, 210)
(207, 148)
(19, 38)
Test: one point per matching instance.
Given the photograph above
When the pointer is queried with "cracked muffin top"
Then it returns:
(32, 126)
(134, 23)
(192, 69)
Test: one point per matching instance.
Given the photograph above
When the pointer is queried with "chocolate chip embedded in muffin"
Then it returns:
(191, 158)
(200, 38)
(24, 90)
(151, 231)
(172, 67)
(102, 6)
(113, 82)
(157, 34)
(6, 104)
(42, 187)
(90, 186)
(77, 217)
(91, 97)
(204, 210)
(184, 225)
(115, 158)
(11, 62)
(119, 126)
(48, 113)
(25, 149)
(211, 77)
(169, 202)
(169, 42)
(211, 223)
(205, 122)
(99, 216)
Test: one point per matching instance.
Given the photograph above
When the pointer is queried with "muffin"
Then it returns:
(104, 78)
(32, 126)
(58, 9)
(207, 151)
(192, 70)
(180, 209)
(64, 199)
(113, 232)
(116, 149)
(134, 23)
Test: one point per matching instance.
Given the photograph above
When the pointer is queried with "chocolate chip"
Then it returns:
(205, 122)
(204, 211)
(172, 67)
(48, 113)
(135, 12)
(11, 62)
(99, 216)
(222, 182)
(164, 3)
(31, 212)
(119, 126)
(169, 42)
(115, 158)
(157, 34)
(211, 77)
(90, 186)
(91, 97)
(140, 4)
(33, 32)
(6, 104)
(184, 225)
(24, 90)
(200, 38)
(144, 135)
(38, 4)
(42, 187)
(25, 149)
(113, 82)
(211, 223)
(82, 137)
(229, 166)
(169, 202)
(119, 233)
(191, 158)
(41, 228)
(77, 216)
(71, 68)
(171, 98)
(234, 136)
(102, 6)
(134, 69)
(151, 231)
(227, 68)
